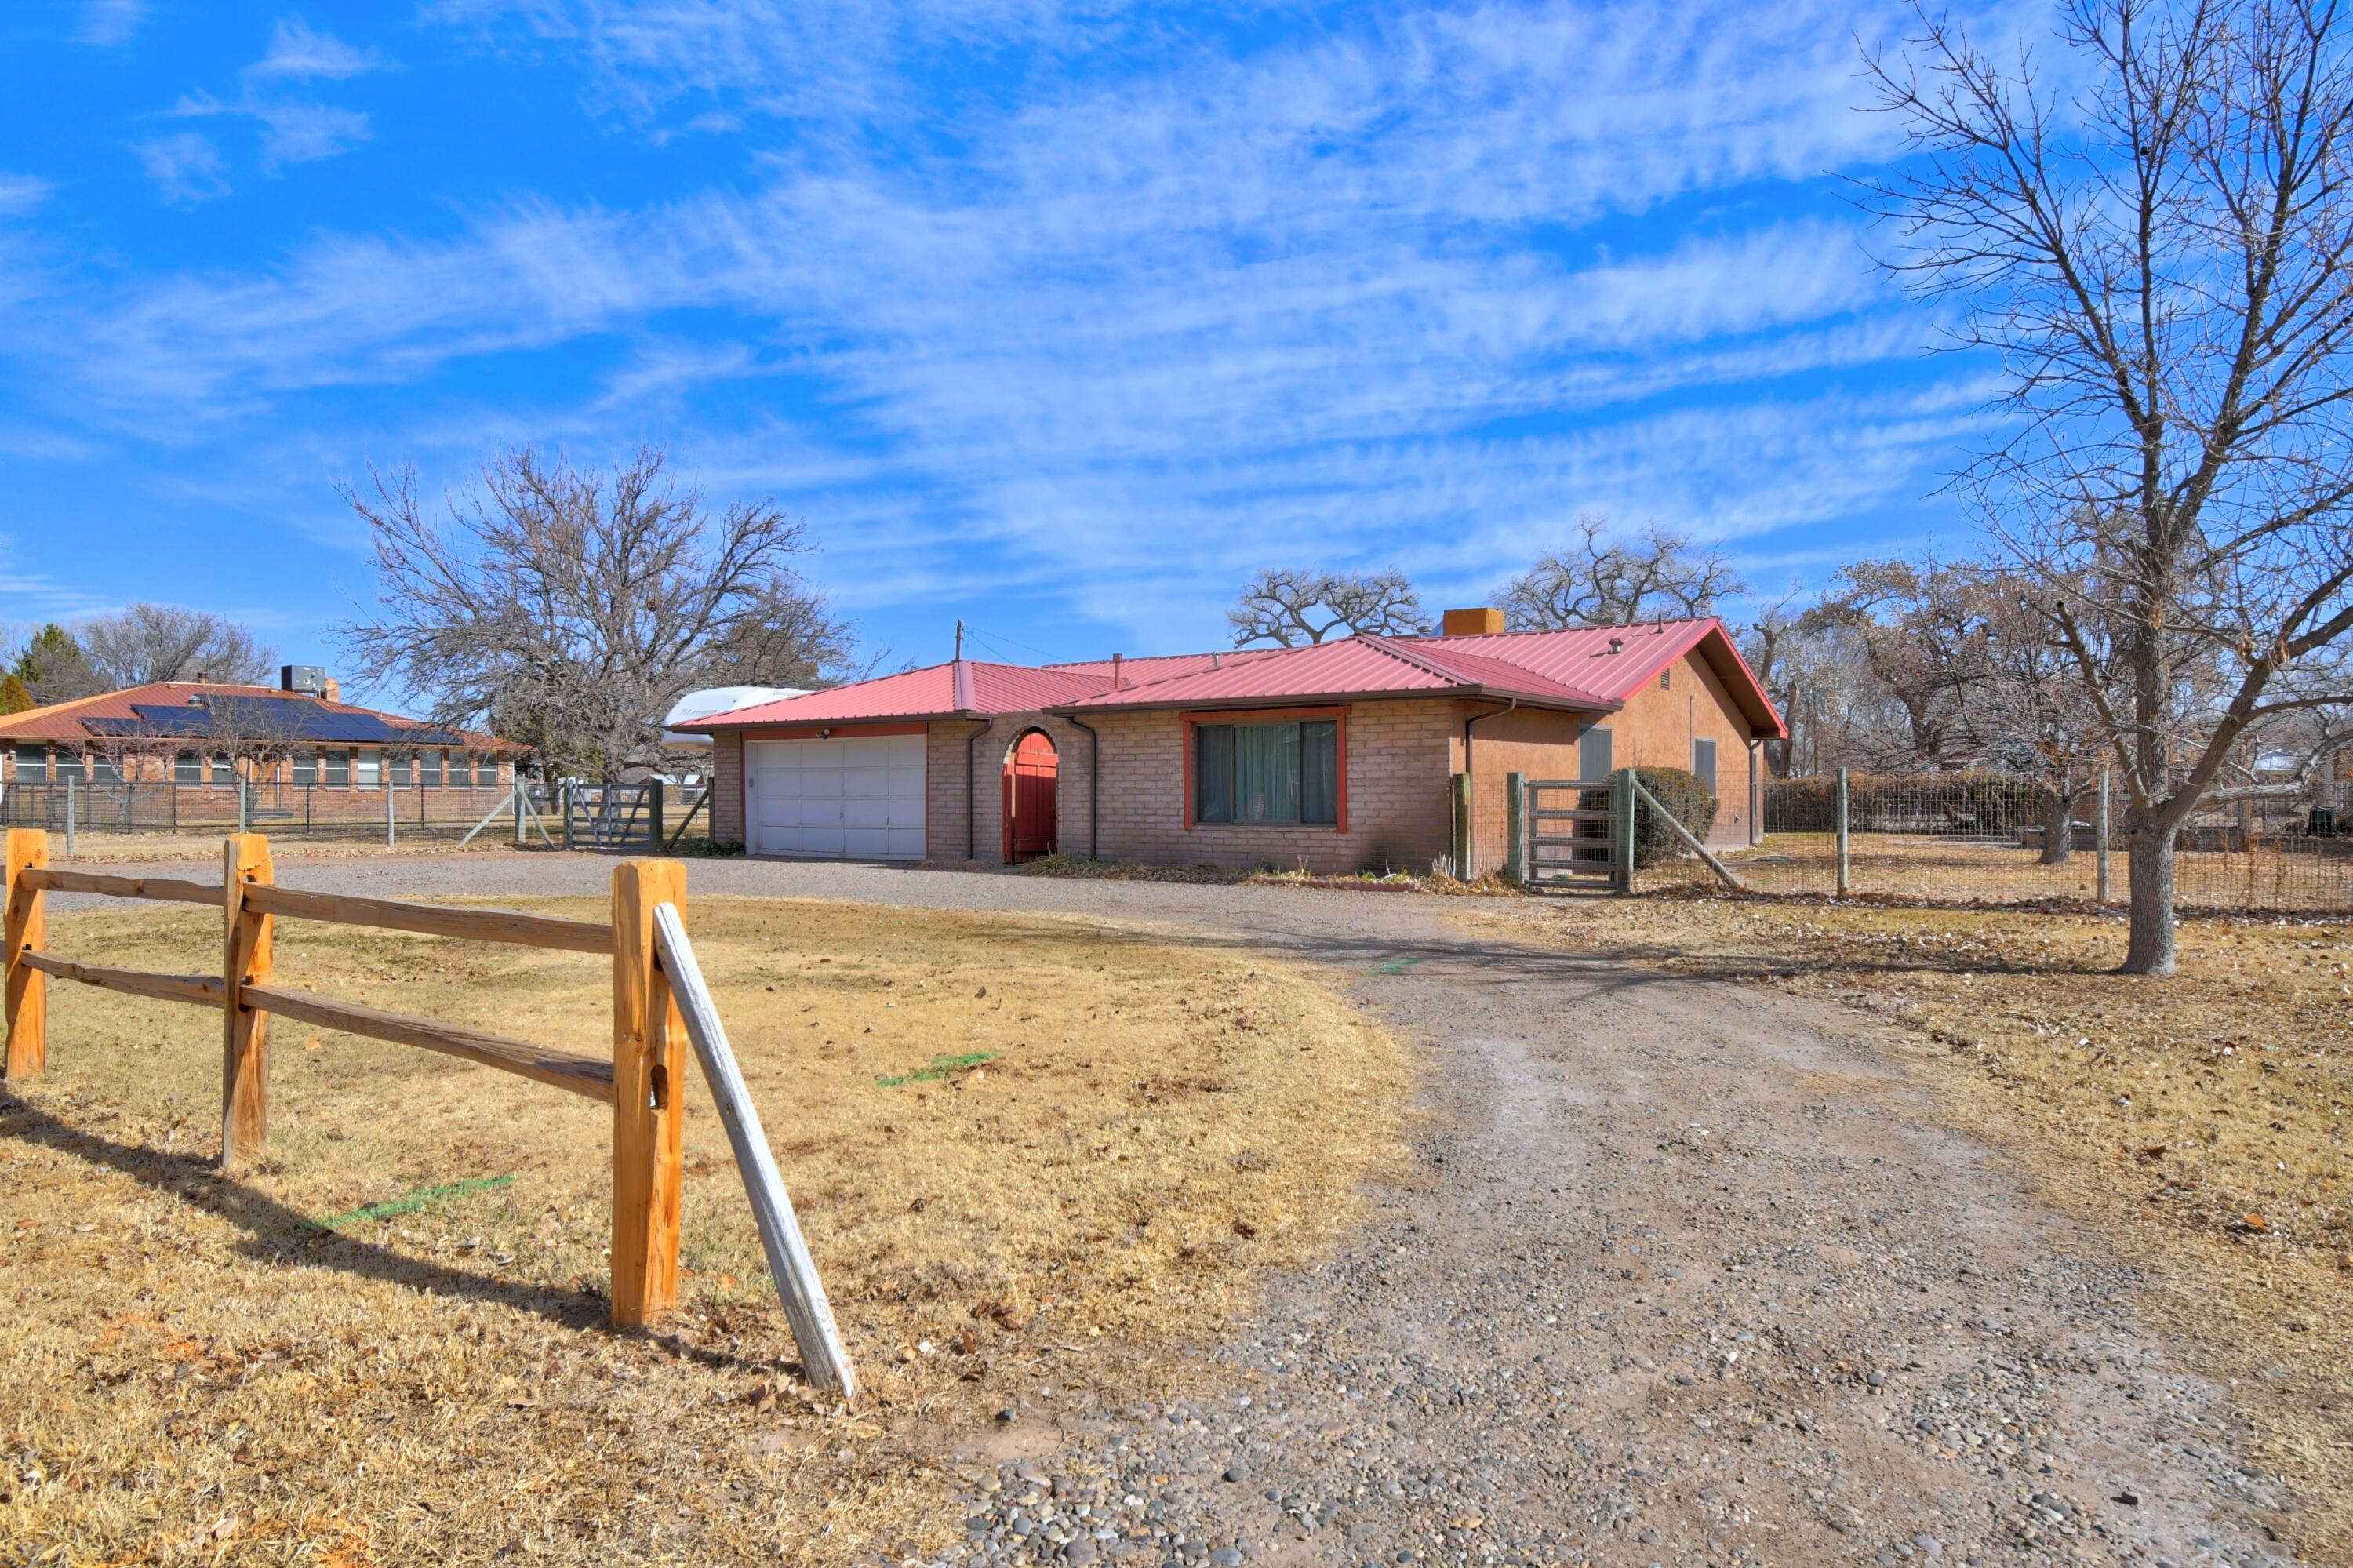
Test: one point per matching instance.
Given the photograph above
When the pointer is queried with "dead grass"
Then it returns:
(193, 1372)
(2201, 1118)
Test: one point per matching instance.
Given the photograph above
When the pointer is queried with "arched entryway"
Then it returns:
(1031, 773)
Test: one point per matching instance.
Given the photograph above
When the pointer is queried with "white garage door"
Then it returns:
(849, 798)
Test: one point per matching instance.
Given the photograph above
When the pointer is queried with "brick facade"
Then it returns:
(1399, 755)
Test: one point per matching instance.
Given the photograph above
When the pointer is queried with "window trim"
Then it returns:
(1193, 719)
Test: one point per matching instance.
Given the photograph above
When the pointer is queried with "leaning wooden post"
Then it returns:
(648, 1072)
(28, 926)
(247, 959)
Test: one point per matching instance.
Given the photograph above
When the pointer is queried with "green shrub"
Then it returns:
(1680, 792)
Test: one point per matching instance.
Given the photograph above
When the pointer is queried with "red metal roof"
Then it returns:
(963, 687)
(1575, 670)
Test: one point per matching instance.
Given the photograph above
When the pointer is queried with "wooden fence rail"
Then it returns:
(642, 1082)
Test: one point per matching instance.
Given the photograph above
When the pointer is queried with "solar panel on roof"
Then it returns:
(267, 719)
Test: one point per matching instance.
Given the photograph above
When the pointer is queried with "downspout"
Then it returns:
(1094, 787)
(1470, 791)
(971, 827)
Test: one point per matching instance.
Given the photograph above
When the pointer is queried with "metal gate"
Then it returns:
(626, 816)
(1569, 833)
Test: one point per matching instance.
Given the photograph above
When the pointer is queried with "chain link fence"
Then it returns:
(92, 813)
(1988, 838)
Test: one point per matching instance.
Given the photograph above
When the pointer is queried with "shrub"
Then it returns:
(1683, 796)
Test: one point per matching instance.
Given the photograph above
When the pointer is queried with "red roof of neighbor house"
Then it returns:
(117, 715)
(1575, 671)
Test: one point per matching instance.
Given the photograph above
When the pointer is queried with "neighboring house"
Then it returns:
(1338, 755)
(204, 733)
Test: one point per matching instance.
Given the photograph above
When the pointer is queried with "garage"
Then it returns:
(853, 797)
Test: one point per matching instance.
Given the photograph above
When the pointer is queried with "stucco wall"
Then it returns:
(1658, 724)
(1539, 743)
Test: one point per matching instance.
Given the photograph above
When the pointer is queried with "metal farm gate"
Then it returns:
(1567, 833)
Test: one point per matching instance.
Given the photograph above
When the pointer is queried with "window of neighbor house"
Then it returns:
(370, 772)
(338, 766)
(69, 766)
(188, 769)
(1593, 756)
(430, 768)
(102, 770)
(1287, 771)
(306, 767)
(224, 770)
(1703, 763)
(32, 763)
(397, 771)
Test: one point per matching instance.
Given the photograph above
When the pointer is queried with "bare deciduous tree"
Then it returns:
(570, 610)
(2161, 261)
(164, 642)
(1602, 580)
(1291, 609)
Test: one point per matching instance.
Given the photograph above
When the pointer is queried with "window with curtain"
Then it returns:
(1287, 771)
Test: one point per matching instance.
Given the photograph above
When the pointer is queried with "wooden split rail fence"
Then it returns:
(653, 972)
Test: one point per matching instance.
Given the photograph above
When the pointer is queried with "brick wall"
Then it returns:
(727, 787)
(945, 842)
(1398, 759)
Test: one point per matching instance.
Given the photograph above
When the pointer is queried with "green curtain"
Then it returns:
(1319, 759)
(1213, 773)
(1266, 772)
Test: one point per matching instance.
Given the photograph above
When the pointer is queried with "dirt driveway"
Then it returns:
(1683, 1274)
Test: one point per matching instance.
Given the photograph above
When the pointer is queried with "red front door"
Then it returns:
(1030, 777)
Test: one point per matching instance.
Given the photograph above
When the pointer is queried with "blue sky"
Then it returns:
(1060, 318)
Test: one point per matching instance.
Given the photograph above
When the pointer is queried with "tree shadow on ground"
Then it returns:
(277, 1235)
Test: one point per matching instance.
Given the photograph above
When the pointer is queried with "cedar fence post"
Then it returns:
(648, 1074)
(246, 959)
(28, 927)
(1515, 827)
(1621, 830)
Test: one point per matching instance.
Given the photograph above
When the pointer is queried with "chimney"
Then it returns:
(334, 690)
(1470, 623)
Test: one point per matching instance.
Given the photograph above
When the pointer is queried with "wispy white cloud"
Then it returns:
(186, 168)
(298, 53)
(1408, 288)
(20, 194)
(111, 23)
(294, 128)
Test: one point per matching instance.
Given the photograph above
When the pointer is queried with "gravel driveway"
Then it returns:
(1681, 1276)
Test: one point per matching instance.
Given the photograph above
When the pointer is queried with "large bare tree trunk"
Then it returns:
(2150, 857)
(2058, 827)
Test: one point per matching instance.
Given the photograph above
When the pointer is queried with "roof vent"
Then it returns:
(1114, 671)
(1617, 645)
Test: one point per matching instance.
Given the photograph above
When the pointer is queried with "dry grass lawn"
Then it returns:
(195, 1370)
(2202, 1119)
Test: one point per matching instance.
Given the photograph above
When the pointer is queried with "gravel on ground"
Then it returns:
(1682, 1274)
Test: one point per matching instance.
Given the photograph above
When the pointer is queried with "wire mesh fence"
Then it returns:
(92, 813)
(1987, 838)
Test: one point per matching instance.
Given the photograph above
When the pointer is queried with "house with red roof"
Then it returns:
(1339, 755)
